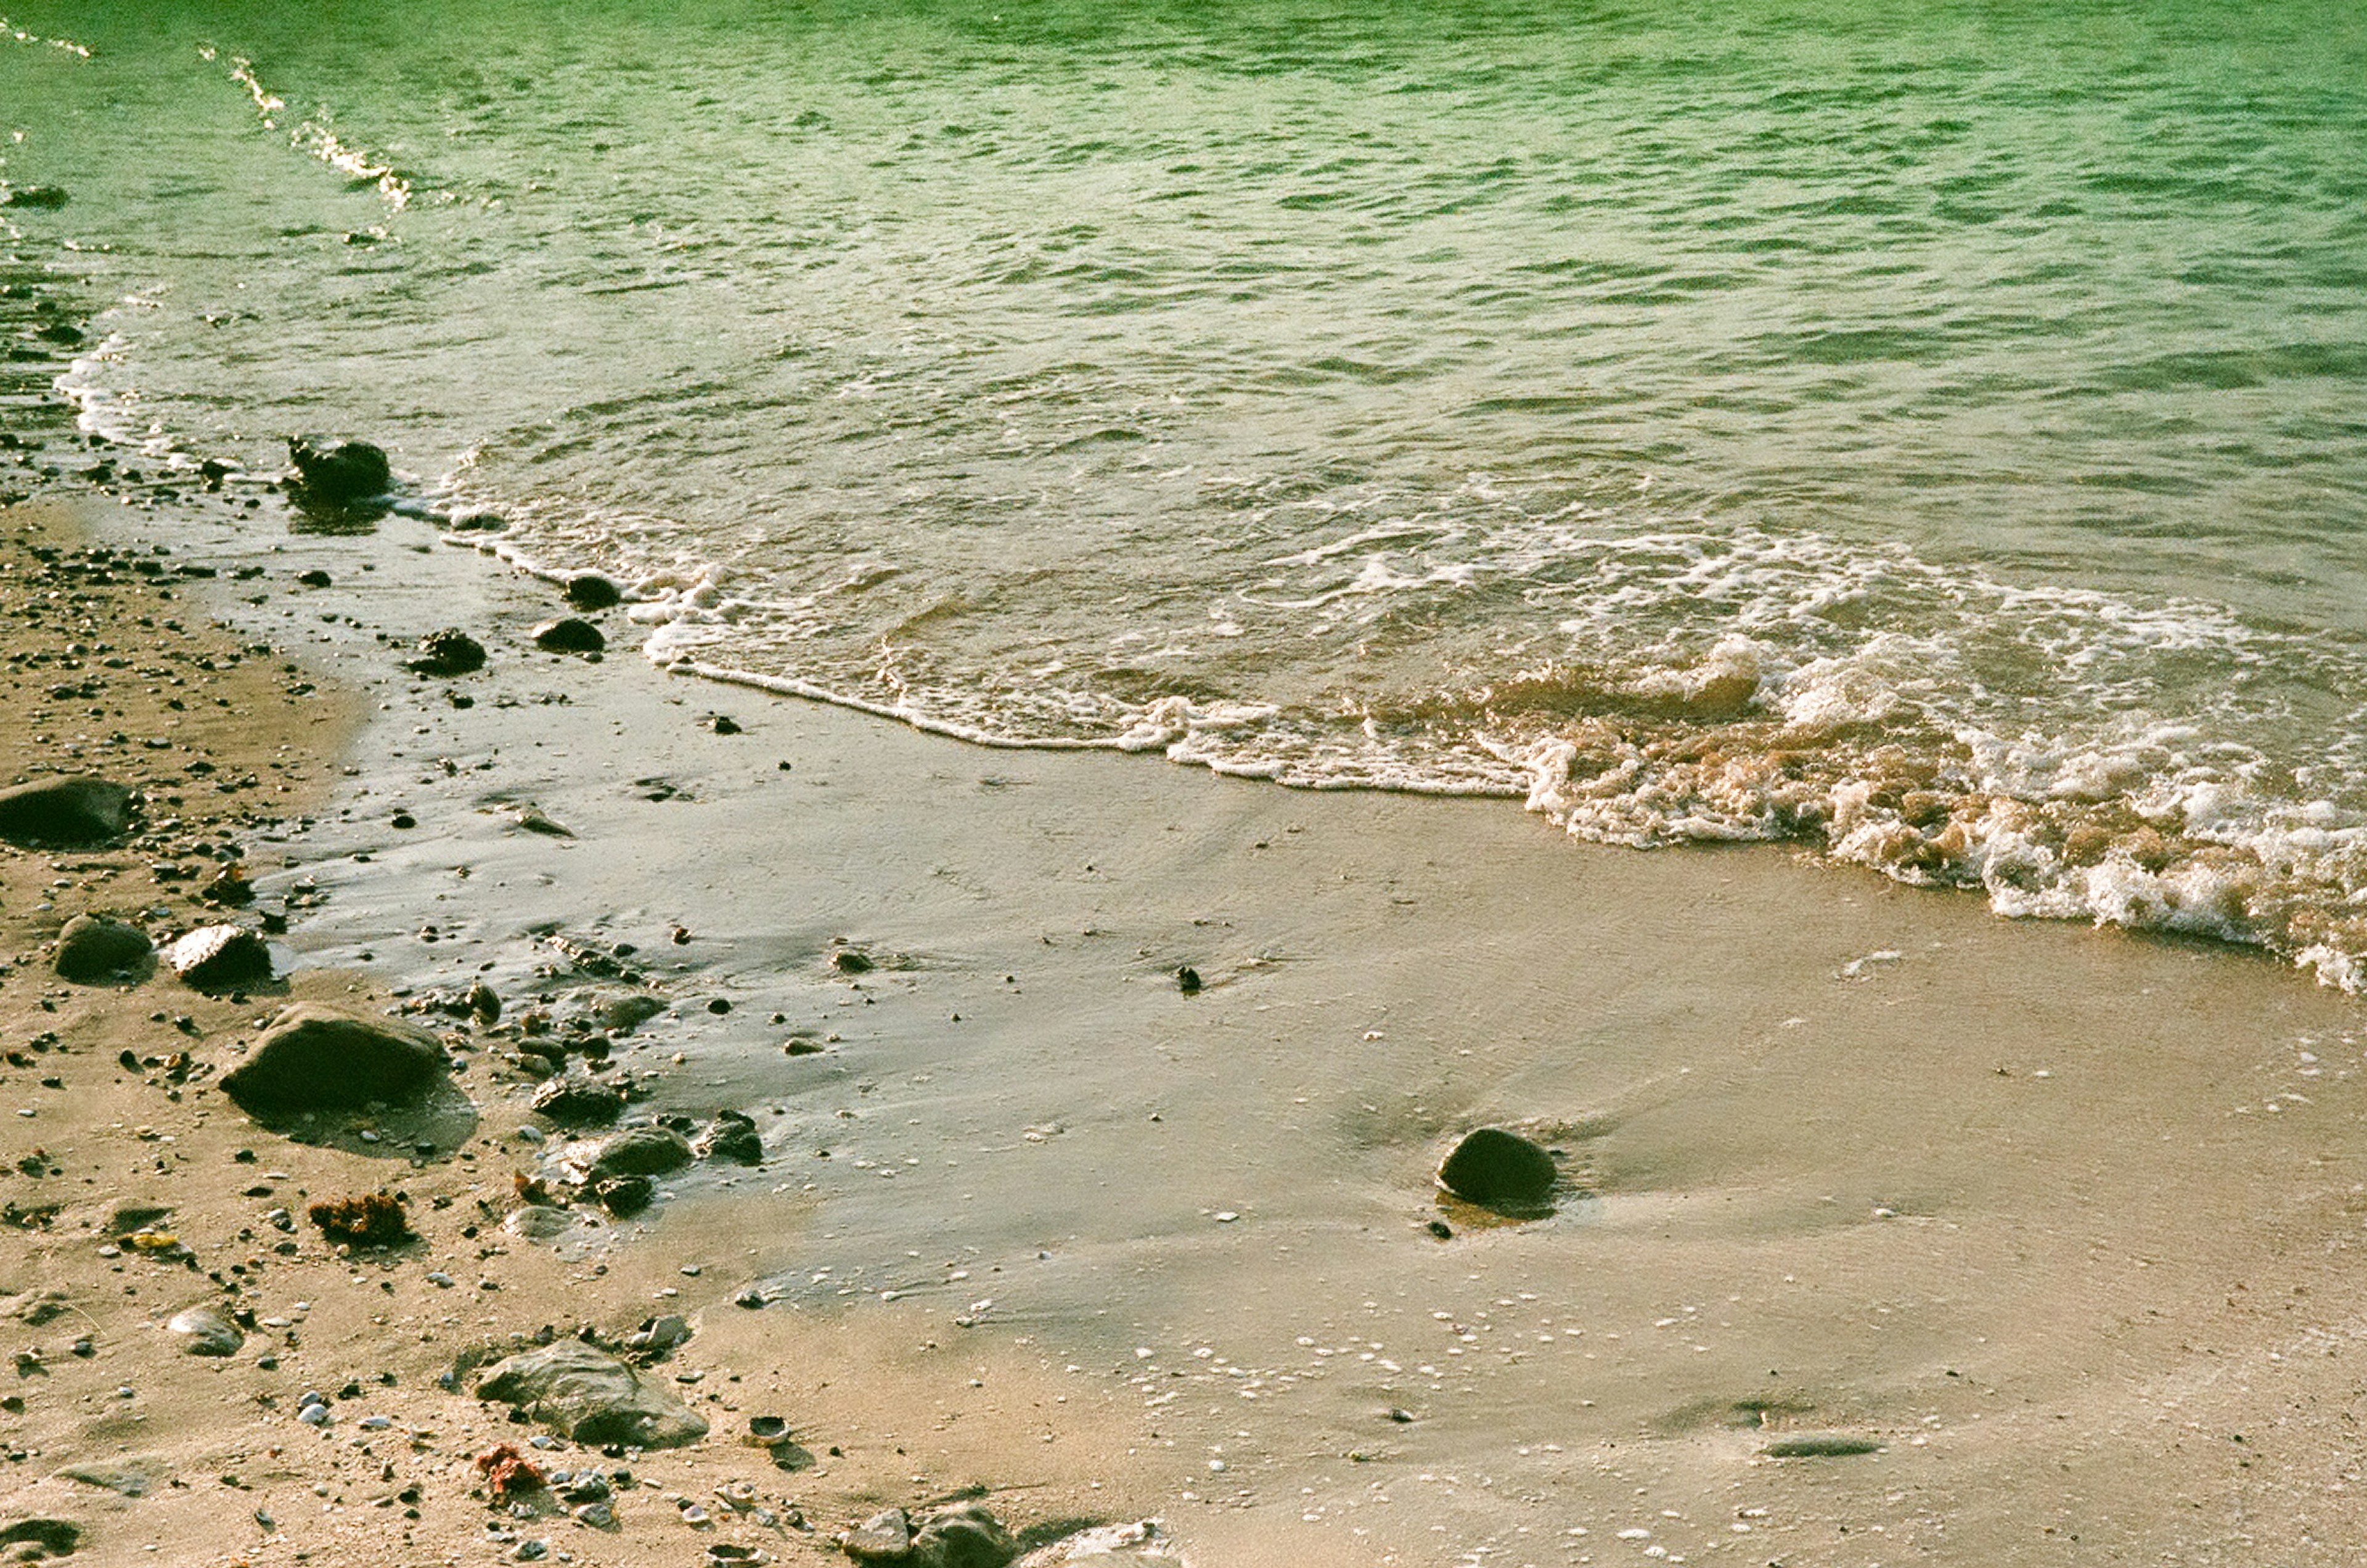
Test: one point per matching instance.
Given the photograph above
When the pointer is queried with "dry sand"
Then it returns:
(2057, 1225)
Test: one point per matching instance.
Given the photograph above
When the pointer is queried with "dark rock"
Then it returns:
(485, 1003)
(315, 577)
(574, 1101)
(964, 1536)
(732, 1139)
(849, 961)
(229, 889)
(1499, 1170)
(1187, 980)
(568, 634)
(220, 958)
(1822, 1445)
(723, 723)
(92, 948)
(48, 197)
(314, 1058)
(589, 591)
(449, 652)
(210, 1331)
(348, 473)
(642, 1151)
(588, 1396)
(56, 1537)
(68, 813)
(623, 1195)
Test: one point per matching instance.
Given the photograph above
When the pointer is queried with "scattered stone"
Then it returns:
(732, 1139)
(220, 958)
(1499, 1170)
(315, 1058)
(589, 591)
(1187, 980)
(882, 1537)
(625, 1011)
(576, 1102)
(374, 1219)
(508, 1470)
(209, 1330)
(852, 961)
(228, 889)
(659, 1337)
(450, 652)
(92, 948)
(568, 634)
(723, 723)
(74, 812)
(485, 1003)
(588, 1396)
(345, 475)
(315, 577)
(623, 1195)
(56, 1537)
(642, 1151)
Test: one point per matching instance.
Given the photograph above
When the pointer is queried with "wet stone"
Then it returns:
(642, 1151)
(589, 1396)
(589, 591)
(570, 634)
(573, 1101)
(732, 1139)
(66, 813)
(449, 652)
(343, 475)
(1501, 1171)
(92, 948)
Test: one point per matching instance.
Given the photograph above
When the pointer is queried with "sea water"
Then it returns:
(1933, 434)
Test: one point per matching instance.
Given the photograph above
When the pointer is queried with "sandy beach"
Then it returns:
(2027, 1243)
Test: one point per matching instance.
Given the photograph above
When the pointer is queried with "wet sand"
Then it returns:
(2054, 1224)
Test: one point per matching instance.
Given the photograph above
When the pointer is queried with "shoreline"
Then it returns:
(1972, 1195)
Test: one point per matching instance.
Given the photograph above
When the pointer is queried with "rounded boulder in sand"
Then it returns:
(315, 1058)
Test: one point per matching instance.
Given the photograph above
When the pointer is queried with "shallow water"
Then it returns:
(1938, 438)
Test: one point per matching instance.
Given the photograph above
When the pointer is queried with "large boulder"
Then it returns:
(1499, 1170)
(92, 948)
(588, 1396)
(73, 812)
(316, 1058)
(345, 475)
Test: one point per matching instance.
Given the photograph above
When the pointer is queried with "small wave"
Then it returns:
(316, 138)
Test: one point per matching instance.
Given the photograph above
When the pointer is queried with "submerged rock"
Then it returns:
(570, 634)
(210, 1331)
(73, 812)
(450, 652)
(350, 473)
(92, 948)
(1499, 1170)
(220, 958)
(588, 1396)
(315, 1058)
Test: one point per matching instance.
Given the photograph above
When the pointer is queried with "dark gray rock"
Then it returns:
(450, 652)
(210, 1331)
(588, 1396)
(642, 1151)
(92, 948)
(65, 813)
(220, 958)
(315, 1058)
(623, 1195)
(1499, 1170)
(964, 1536)
(589, 591)
(573, 1101)
(56, 1537)
(733, 1139)
(344, 475)
(570, 634)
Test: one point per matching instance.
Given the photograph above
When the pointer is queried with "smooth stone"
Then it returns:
(624, 1012)
(67, 813)
(573, 1101)
(220, 958)
(342, 475)
(449, 651)
(882, 1537)
(92, 948)
(568, 634)
(589, 591)
(588, 1396)
(642, 1151)
(1499, 1170)
(315, 1058)
(964, 1536)
(210, 1331)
